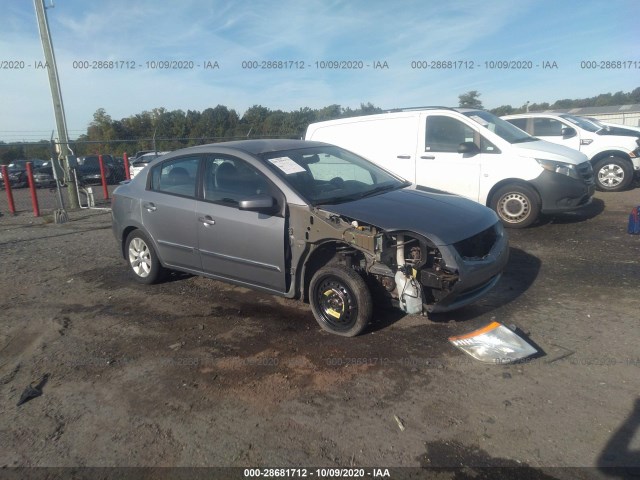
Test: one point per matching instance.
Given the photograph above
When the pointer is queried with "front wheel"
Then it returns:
(142, 258)
(340, 300)
(518, 206)
(613, 174)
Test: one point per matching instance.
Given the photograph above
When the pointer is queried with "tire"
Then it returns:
(613, 174)
(340, 300)
(518, 206)
(142, 258)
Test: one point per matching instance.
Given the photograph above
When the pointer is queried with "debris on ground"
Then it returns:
(32, 392)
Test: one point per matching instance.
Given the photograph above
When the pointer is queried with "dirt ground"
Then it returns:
(194, 372)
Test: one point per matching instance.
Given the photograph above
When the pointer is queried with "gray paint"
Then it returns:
(442, 217)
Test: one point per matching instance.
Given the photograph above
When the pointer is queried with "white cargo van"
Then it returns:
(472, 153)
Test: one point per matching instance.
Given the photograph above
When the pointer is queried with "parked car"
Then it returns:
(142, 161)
(35, 163)
(615, 158)
(608, 128)
(88, 169)
(43, 176)
(17, 171)
(17, 176)
(311, 221)
(471, 153)
(139, 153)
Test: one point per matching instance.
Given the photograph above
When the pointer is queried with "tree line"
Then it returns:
(162, 129)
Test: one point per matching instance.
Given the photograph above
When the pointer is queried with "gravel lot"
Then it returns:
(193, 372)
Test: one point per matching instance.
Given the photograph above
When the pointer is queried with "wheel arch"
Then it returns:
(510, 181)
(323, 254)
(609, 153)
(123, 239)
(125, 234)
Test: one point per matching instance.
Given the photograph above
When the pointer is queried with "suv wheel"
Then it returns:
(340, 300)
(613, 174)
(518, 206)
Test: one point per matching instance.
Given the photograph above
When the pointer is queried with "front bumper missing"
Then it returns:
(495, 344)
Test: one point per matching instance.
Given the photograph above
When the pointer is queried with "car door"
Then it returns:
(169, 211)
(438, 163)
(553, 130)
(240, 245)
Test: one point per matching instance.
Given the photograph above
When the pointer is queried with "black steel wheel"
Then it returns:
(340, 300)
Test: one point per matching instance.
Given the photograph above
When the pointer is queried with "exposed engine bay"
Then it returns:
(404, 266)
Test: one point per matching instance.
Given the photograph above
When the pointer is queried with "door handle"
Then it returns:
(428, 157)
(150, 206)
(404, 157)
(207, 220)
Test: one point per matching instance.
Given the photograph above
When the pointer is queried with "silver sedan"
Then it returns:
(308, 220)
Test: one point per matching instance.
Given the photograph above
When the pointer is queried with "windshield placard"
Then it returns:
(286, 165)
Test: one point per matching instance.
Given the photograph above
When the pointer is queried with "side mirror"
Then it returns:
(469, 148)
(258, 203)
(568, 132)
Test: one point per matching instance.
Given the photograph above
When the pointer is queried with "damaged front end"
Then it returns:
(408, 268)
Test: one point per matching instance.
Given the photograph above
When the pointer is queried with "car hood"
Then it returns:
(442, 217)
(551, 151)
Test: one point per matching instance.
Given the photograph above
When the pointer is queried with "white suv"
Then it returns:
(615, 158)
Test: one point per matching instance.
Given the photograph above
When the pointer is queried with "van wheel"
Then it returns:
(340, 300)
(518, 206)
(613, 174)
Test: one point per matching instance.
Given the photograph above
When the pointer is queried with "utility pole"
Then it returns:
(64, 152)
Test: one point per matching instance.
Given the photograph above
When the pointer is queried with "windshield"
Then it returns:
(500, 127)
(582, 123)
(329, 174)
(595, 121)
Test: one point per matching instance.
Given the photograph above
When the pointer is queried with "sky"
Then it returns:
(217, 46)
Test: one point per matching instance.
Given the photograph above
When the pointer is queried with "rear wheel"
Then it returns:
(518, 206)
(340, 300)
(142, 258)
(613, 174)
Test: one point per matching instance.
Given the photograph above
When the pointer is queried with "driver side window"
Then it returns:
(228, 180)
(445, 134)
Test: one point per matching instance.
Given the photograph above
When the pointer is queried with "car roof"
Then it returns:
(534, 114)
(257, 147)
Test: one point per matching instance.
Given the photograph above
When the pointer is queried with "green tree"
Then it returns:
(503, 110)
(471, 99)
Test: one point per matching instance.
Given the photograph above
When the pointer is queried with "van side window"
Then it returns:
(445, 134)
(547, 127)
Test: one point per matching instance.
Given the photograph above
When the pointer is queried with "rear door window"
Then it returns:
(177, 176)
(547, 127)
